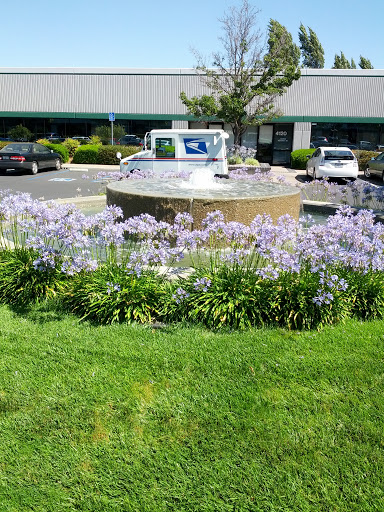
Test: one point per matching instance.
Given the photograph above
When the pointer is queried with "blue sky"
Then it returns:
(160, 34)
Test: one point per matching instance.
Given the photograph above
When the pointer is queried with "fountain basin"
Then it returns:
(238, 200)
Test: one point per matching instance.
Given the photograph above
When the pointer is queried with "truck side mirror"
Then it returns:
(118, 155)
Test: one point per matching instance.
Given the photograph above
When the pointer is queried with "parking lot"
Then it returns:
(71, 181)
(75, 180)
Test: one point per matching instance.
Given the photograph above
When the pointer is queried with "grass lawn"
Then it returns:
(126, 418)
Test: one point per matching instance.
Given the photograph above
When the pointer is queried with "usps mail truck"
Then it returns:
(180, 150)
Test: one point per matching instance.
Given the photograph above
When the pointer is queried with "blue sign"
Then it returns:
(195, 147)
(111, 116)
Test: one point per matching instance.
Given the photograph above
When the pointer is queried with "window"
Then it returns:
(40, 149)
(165, 147)
(338, 155)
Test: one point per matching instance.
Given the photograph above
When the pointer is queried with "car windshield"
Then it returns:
(338, 155)
(18, 148)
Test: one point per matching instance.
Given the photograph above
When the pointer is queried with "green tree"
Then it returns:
(341, 62)
(104, 132)
(365, 63)
(246, 78)
(20, 132)
(311, 49)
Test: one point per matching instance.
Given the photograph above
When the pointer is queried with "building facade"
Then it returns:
(335, 107)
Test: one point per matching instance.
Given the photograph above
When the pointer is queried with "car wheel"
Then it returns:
(57, 164)
(367, 172)
(34, 168)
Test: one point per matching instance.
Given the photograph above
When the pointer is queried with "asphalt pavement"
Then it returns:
(70, 182)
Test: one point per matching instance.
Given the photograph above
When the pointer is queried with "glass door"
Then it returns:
(282, 144)
(264, 146)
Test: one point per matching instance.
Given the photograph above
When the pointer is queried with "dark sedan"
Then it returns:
(28, 156)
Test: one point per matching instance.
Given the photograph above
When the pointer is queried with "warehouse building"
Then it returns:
(333, 106)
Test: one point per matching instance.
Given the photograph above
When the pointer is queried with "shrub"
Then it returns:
(220, 298)
(235, 160)
(4, 143)
(240, 298)
(95, 140)
(25, 278)
(299, 158)
(20, 132)
(71, 145)
(252, 161)
(86, 154)
(366, 290)
(59, 148)
(104, 132)
(363, 158)
(110, 294)
(107, 154)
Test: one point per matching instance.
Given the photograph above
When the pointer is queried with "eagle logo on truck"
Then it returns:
(195, 147)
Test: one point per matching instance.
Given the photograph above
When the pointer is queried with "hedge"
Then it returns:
(107, 154)
(86, 154)
(363, 158)
(59, 148)
(299, 158)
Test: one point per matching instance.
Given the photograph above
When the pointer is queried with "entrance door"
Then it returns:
(264, 146)
(282, 144)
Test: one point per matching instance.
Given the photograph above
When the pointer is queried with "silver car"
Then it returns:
(375, 166)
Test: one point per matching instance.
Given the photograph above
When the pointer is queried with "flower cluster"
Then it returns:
(180, 295)
(67, 240)
(202, 284)
(354, 193)
(242, 151)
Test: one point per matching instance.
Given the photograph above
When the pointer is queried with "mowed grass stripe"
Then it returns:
(134, 418)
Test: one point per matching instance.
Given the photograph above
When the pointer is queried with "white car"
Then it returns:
(332, 162)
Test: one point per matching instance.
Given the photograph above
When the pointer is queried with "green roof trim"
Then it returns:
(99, 115)
(329, 119)
(185, 117)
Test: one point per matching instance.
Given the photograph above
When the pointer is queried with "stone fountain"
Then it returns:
(238, 200)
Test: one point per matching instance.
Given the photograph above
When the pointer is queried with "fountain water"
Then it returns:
(238, 200)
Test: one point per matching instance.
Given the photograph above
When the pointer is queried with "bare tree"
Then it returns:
(247, 75)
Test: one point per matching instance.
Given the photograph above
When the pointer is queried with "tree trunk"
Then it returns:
(236, 129)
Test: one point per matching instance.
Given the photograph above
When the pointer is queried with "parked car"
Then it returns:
(319, 138)
(51, 135)
(349, 146)
(28, 156)
(318, 143)
(332, 162)
(82, 140)
(366, 145)
(375, 166)
(56, 139)
(130, 140)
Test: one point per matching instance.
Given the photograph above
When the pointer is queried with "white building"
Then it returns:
(344, 106)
